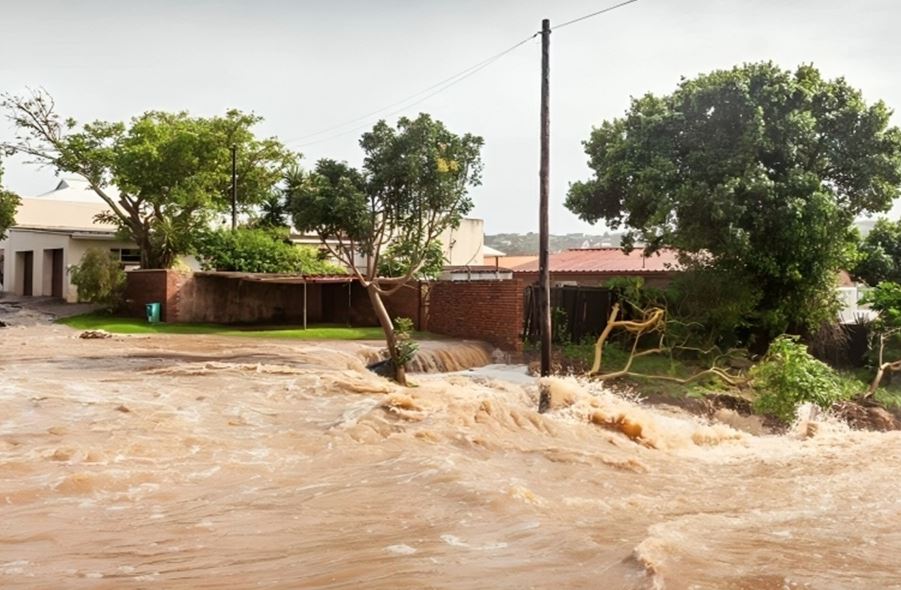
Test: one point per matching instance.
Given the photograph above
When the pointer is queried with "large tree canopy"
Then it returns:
(163, 174)
(756, 171)
(9, 202)
(879, 254)
(413, 185)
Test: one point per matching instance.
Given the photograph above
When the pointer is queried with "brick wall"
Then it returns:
(405, 302)
(154, 286)
(219, 299)
(481, 310)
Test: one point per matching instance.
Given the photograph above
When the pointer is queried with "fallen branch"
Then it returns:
(654, 321)
(884, 367)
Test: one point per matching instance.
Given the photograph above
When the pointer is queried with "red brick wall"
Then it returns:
(481, 310)
(218, 299)
(154, 286)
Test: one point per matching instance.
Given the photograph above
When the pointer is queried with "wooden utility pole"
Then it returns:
(234, 187)
(544, 279)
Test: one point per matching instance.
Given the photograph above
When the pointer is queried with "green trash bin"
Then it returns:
(153, 313)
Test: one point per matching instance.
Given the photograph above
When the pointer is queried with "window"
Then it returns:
(127, 255)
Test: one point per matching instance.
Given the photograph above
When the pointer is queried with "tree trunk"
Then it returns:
(400, 374)
(143, 242)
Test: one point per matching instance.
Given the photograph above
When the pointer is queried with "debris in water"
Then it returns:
(383, 368)
(95, 335)
(619, 423)
(400, 549)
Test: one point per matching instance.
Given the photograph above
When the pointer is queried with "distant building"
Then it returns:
(51, 233)
(462, 247)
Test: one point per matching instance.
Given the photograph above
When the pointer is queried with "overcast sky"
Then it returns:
(307, 66)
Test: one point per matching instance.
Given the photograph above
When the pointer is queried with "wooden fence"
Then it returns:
(578, 312)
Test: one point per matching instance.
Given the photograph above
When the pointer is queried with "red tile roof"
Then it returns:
(606, 261)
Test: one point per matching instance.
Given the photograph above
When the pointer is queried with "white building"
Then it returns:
(51, 233)
(462, 247)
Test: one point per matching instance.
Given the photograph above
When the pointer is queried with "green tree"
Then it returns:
(9, 203)
(879, 254)
(163, 175)
(259, 250)
(397, 259)
(885, 299)
(273, 212)
(99, 278)
(413, 185)
(755, 172)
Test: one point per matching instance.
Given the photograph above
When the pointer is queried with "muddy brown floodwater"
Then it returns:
(201, 462)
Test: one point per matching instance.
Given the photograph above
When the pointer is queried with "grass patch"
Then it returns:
(124, 325)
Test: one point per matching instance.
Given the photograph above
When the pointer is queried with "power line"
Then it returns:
(436, 88)
(432, 90)
(587, 16)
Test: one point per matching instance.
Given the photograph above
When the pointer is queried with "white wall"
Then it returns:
(463, 246)
(3, 281)
(20, 240)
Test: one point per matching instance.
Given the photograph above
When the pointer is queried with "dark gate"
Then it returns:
(27, 259)
(577, 312)
(56, 276)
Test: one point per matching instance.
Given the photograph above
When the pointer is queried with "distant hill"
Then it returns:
(527, 244)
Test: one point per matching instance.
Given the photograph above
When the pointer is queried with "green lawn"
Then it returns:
(123, 325)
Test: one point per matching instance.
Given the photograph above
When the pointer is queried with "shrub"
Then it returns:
(99, 278)
(406, 346)
(259, 250)
(790, 376)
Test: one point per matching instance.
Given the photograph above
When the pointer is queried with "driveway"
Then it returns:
(28, 311)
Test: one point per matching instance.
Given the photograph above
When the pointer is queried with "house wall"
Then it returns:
(73, 254)
(40, 244)
(463, 245)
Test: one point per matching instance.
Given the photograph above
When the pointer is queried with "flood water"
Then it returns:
(202, 462)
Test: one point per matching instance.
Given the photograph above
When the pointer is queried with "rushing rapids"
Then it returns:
(201, 462)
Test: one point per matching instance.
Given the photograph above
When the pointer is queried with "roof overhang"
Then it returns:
(77, 233)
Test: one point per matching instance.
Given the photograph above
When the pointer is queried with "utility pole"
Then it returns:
(544, 279)
(234, 187)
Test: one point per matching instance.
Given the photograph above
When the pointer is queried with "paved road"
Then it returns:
(28, 311)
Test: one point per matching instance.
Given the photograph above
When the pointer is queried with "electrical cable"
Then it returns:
(434, 89)
(587, 16)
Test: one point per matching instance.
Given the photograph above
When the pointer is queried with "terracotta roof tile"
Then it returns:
(606, 260)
